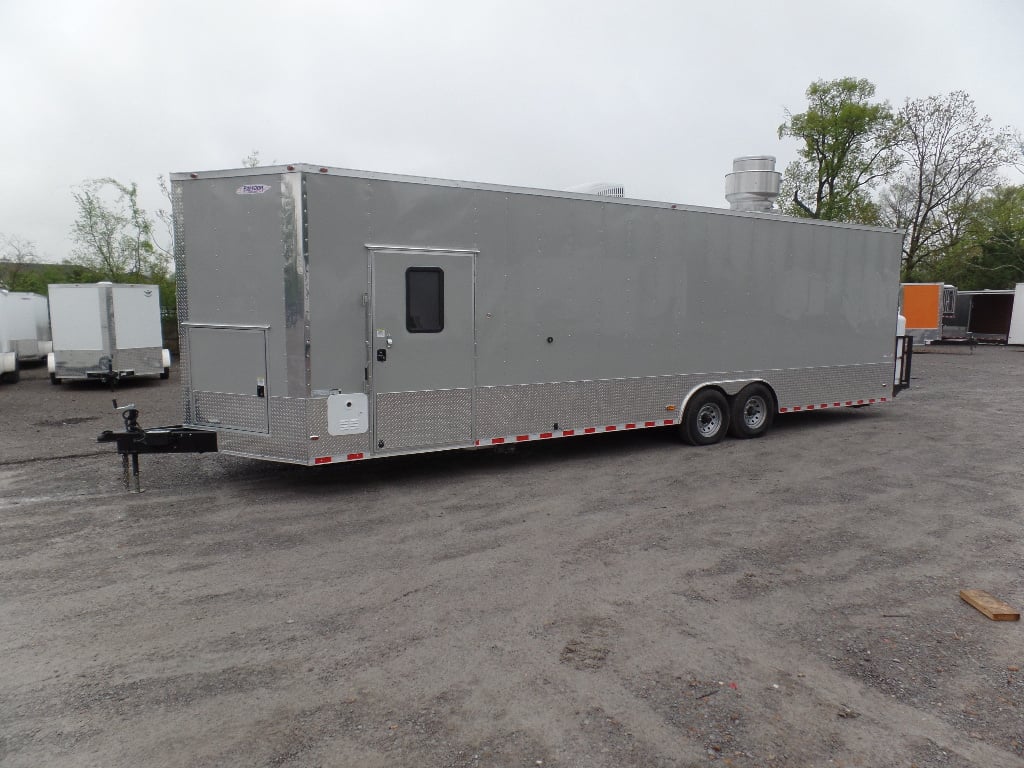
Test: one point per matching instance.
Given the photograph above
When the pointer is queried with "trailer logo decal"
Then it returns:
(252, 189)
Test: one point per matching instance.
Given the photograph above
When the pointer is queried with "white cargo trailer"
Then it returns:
(29, 325)
(8, 355)
(1016, 333)
(330, 315)
(106, 331)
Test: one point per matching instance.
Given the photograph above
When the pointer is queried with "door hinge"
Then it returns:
(366, 299)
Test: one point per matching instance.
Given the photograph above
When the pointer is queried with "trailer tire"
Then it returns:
(11, 377)
(706, 419)
(165, 373)
(54, 379)
(752, 412)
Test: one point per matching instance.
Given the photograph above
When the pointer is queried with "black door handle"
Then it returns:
(382, 355)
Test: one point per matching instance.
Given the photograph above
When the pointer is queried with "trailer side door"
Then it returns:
(422, 348)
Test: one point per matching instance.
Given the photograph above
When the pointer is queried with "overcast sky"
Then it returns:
(658, 96)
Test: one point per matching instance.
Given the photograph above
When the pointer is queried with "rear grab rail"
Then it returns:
(904, 358)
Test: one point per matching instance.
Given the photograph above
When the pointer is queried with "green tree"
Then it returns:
(953, 154)
(847, 147)
(990, 252)
(114, 234)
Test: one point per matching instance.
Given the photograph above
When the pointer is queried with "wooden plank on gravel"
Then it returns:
(992, 607)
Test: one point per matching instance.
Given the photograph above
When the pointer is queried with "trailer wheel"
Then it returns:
(753, 410)
(706, 419)
(54, 379)
(11, 377)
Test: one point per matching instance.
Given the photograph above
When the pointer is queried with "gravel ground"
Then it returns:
(614, 600)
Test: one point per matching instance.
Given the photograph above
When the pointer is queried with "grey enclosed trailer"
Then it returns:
(106, 331)
(330, 315)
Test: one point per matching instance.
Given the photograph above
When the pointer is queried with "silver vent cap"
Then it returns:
(753, 184)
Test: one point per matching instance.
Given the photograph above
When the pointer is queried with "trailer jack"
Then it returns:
(135, 440)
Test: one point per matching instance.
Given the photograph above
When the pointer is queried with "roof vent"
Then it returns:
(603, 188)
(753, 184)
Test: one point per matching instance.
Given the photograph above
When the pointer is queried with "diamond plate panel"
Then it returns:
(181, 297)
(71, 362)
(835, 384)
(327, 444)
(411, 421)
(288, 440)
(26, 349)
(145, 361)
(424, 419)
(180, 283)
(75, 364)
(533, 408)
(924, 336)
(243, 412)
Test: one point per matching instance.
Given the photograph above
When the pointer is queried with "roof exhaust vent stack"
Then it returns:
(753, 184)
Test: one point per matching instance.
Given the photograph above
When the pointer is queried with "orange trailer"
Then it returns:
(927, 306)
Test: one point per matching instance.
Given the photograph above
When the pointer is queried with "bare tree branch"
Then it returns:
(953, 154)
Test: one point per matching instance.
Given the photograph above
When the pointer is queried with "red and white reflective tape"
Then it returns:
(822, 406)
(573, 432)
(336, 459)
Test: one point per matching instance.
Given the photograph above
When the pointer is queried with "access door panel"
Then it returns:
(228, 376)
(422, 349)
(137, 316)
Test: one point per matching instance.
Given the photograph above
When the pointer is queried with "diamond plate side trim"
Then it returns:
(409, 422)
(815, 386)
(228, 411)
(288, 440)
(536, 408)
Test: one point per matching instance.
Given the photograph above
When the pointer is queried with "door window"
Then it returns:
(424, 300)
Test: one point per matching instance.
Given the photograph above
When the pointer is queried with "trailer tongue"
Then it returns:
(135, 440)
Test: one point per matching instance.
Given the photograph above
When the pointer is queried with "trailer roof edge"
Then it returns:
(227, 173)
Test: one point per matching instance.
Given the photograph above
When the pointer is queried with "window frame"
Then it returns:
(440, 300)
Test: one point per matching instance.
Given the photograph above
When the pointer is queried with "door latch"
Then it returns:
(382, 355)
